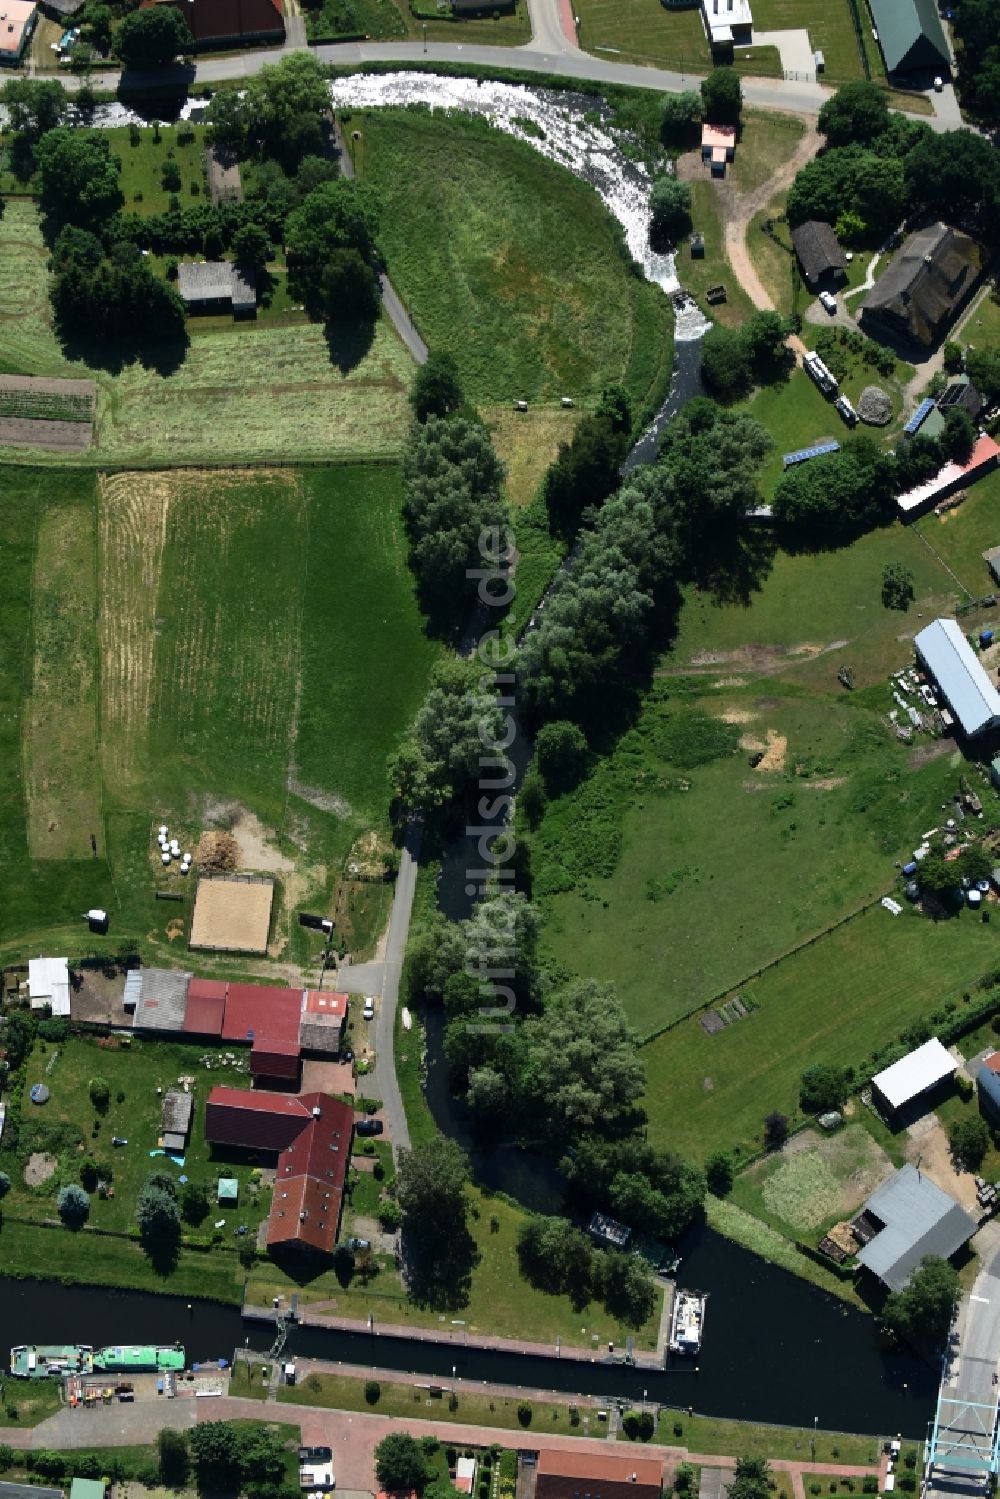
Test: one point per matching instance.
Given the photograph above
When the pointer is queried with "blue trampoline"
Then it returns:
(39, 1093)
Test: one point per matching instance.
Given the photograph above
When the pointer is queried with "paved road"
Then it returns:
(354, 1436)
(391, 300)
(971, 1377)
(383, 977)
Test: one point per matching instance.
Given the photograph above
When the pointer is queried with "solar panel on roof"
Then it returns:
(921, 414)
(802, 454)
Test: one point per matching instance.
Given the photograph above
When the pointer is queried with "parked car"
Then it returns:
(369, 1009)
(353, 1243)
(369, 1127)
(829, 301)
(347, 1056)
(938, 84)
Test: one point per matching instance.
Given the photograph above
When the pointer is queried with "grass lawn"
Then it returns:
(797, 415)
(235, 642)
(714, 268)
(500, 1302)
(774, 262)
(720, 1438)
(682, 866)
(830, 30)
(512, 265)
(507, 30)
(815, 1183)
(25, 1404)
(65, 1129)
(246, 393)
(837, 1001)
(143, 166)
(341, 1392)
(961, 536)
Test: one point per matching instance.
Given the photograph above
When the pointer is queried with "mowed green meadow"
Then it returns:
(511, 264)
(244, 393)
(253, 642)
(678, 871)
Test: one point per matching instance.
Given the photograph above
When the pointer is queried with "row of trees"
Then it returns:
(455, 514)
(588, 468)
(879, 167)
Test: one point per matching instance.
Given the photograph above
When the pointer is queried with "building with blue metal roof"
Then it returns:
(948, 657)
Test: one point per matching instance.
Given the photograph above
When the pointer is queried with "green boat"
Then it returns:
(136, 1358)
(50, 1360)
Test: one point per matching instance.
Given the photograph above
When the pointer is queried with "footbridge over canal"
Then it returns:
(962, 1454)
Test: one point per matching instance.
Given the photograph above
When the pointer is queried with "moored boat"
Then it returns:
(135, 1358)
(50, 1360)
(687, 1321)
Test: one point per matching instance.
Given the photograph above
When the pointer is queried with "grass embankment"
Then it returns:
(243, 393)
(335, 20)
(512, 265)
(234, 609)
(717, 1437)
(499, 1301)
(24, 1405)
(464, 1407)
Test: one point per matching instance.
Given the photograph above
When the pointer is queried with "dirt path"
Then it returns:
(738, 209)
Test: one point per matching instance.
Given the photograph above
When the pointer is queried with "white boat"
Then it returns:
(687, 1321)
(3, 1117)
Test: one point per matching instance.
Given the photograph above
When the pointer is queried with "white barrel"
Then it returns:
(165, 857)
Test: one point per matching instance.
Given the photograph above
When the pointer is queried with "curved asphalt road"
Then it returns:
(549, 51)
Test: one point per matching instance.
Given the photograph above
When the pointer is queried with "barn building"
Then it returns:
(949, 659)
(913, 1077)
(904, 1219)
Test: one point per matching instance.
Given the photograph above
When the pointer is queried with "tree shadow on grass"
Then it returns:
(163, 1252)
(438, 1269)
(349, 343)
(164, 357)
(739, 566)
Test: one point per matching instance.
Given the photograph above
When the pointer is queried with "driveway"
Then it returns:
(382, 978)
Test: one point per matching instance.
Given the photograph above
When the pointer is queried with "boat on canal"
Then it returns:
(138, 1358)
(687, 1321)
(50, 1360)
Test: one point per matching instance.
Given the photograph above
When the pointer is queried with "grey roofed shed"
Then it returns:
(162, 1001)
(818, 249)
(910, 35)
(953, 664)
(175, 1120)
(918, 1219)
(204, 282)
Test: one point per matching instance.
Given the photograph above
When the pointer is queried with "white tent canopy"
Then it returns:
(915, 1073)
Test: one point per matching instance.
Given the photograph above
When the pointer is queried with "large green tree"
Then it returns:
(922, 1312)
(436, 390)
(858, 111)
(77, 178)
(400, 1465)
(955, 175)
(579, 1072)
(455, 514)
(334, 219)
(669, 209)
(722, 96)
(34, 106)
(152, 37)
(440, 759)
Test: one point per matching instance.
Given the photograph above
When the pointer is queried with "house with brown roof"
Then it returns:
(596, 1475)
(926, 282)
(311, 1138)
(819, 252)
(230, 23)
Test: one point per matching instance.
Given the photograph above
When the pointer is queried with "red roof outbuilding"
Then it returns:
(277, 1059)
(206, 1006)
(214, 23)
(253, 1121)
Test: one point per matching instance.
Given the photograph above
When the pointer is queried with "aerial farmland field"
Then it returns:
(214, 630)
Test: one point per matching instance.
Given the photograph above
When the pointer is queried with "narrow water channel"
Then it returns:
(775, 1349)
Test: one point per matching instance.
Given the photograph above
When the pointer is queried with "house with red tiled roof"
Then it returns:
(598, 1475)
(230, 23)
(311, 1137)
